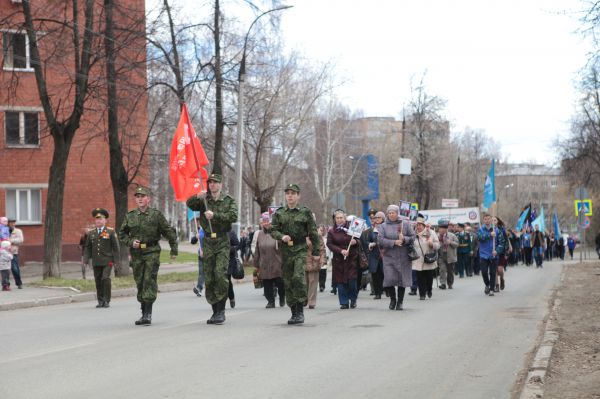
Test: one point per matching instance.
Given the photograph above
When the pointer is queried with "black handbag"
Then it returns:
(237, 271)
(430, 257)
(412, 252)
(363, 260)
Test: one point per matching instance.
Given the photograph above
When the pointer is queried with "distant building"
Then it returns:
(26, 147)
(519, 184)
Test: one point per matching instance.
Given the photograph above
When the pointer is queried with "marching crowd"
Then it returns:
(394, 255)
(292, 255)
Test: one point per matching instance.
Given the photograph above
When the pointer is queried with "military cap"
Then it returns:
(443, 223)
(461, 225)
(142, 191)
(215, 177)
(99, 212)
(293, 187)
(372, 212)
(10, 220)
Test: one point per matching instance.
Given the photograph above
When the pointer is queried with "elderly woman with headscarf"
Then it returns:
(345, 258)
(393, 238)
(267, 259)
(427, 241)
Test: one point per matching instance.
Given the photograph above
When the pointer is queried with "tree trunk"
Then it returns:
(218, 94)
(53, 220)
(118, 174)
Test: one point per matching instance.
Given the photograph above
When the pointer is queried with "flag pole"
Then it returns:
(199, 175)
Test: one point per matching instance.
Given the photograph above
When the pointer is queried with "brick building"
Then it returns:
(26, 146)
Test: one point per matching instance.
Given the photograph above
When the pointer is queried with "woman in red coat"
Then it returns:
(344, 260)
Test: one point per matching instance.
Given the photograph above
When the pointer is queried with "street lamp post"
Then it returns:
(240, 122)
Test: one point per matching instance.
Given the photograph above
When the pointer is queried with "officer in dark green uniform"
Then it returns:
(141, 232)
(102, 247)
(216, 220)
(291, 225)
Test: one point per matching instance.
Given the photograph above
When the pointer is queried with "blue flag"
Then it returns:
(489, 188)
(191, 214)
(540, 221)
(522, 219)
(556, 225)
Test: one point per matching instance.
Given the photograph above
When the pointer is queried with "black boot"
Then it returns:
(294, 317)
(212, 318)
(140, 321)
(281, 300)
(401, 291)
(148, 320)
(299, 313)
(220, 316)
(392, 294)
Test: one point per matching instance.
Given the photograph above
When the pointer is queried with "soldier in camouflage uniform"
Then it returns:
(291, 225)
(140, 232)
(102, 247)
(220, 213)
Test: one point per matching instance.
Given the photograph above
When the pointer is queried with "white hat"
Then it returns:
(5, 244)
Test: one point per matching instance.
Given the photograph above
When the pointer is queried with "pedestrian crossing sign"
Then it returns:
(583, 206)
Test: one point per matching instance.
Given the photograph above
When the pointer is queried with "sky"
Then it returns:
(507, 67)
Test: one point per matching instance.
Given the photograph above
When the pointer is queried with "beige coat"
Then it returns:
(423, 238)
(267, 257)
(312, 265)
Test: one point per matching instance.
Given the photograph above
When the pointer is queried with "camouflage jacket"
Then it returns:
(147, 227)
(298, 223)
(224, 212)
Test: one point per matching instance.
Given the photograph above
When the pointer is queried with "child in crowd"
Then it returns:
(5, 259)
(4, 230)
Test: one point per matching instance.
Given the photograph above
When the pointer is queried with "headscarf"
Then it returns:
(394, 208)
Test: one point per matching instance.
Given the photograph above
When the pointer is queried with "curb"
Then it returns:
(91, 296)
(534, 384)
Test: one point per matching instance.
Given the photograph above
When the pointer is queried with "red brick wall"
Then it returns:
(87, 182)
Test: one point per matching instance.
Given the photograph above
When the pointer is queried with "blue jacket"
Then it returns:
(485, 242)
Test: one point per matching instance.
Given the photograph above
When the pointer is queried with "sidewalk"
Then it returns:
(31, 296)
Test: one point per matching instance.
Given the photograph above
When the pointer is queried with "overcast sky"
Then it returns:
(507, 67)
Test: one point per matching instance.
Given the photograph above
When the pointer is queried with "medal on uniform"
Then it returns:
(142, 246)
(290, 243)
(213, 235)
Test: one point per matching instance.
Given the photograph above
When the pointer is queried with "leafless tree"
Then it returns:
(281, 98)
(427, 133)
(70, 35)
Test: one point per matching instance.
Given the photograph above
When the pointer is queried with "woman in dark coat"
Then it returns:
(344, 269)
(393, 238)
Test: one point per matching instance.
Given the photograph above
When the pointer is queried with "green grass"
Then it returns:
(117, 282)
(123, 282)
(183, 257)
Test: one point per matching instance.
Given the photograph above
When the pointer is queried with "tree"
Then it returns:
(329, 154)
(428, 133)
(281, 97)
(125, 158)
(62, 124)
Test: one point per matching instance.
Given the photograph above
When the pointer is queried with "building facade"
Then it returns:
(26, 147)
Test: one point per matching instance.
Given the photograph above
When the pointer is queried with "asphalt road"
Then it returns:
(459, 344)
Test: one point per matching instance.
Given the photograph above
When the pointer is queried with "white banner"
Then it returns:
(456, 215)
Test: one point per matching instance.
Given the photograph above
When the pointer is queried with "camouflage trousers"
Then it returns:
(145, 270)
(216, 265)
(294, 265)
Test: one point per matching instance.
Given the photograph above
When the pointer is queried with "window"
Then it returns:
(24, 205)
(21, 128)
(15, 46)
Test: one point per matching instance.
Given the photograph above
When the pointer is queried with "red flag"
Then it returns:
(187, 160)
